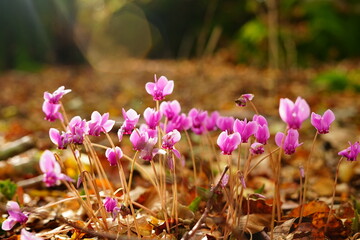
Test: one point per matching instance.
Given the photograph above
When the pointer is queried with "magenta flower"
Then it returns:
(291, 141)
(257, 148)
(51, 111)
(110, 204)
(262, 133)
(61, 140)
(245, 128)
(180, 122)
(100, 123)
(294, 113)
(322, 123)
(152, 117)
(149, 151)
(228, 142)
(160, 88)
(198, 119)
(210, 121)
(113, 155)
(51, 169)
(151, 132)
(56, 96)
(15, 216)
(25, 235)
(78, 129)
(351, 152)
(170, 109)
(131, 119)
(225, 123)
(139, 139)
(170, 139)
(243, 99)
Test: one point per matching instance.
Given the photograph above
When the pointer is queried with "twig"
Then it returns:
(191, 233)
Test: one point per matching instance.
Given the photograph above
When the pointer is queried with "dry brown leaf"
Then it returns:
(310, 208)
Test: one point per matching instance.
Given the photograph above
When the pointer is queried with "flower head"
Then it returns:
(225, 123)
(152, 117)
(198, 119)
(110, 204)
(56, 96)
(139, 139)
(262, 133)
(149, 151)
(210, 121)
(113, 155)
(131, 119)
(322, 123)
(291, 141)
(78, 129)
(51, 111)
(61, 140)
(257, 148)
(228, 142)
(245, 128)
(160, 88)
(15, 216)
(51, 169)
(351, 152)
(243, 99)
(170, 109)
(170, 139)
(100, 123)
(294, 113)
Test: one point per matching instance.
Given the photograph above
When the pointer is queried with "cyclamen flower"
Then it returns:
(15, 216)
(228, 142)
(294, 113)
(322, 123)
(131, 119)
(225, 124)
(56, 96)
(170, 139)
(110, 204)
(243, 99)
(180, 122)
(139, 139)
(351, 152)
(78, 129)
(198, 119)
(246, 129)
(113, 155)
(25, 235)
(170, 109)
(151, 132)
(291, 141)
(100, 123)
(51, 169)
(262, 133)
(149, 151)
(51, 111)
(257, 148)
(210, 121)
(152, 117)
(61, 140)
(160, 88)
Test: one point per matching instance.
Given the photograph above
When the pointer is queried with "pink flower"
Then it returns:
(257, 148)
(15, 216)
(294, 113)
(262, 133)
(243, 99)
(25, 235)
(291, 141)
(228, 142)
(139, 139)
(225, 123)
(170, 109)
(152, 117)
(246, 129)
(78, 129)
(100, 123)
(160, 88)
(131, 119)
(179, 122)
(322, 123)
(51, 169)
(110, 204)
(51, 111)
(113, 155)
(198, 119)
(210, 121)
(56, 96)
(170, 139)
(149, 151)
(61, 140)
(351, 152)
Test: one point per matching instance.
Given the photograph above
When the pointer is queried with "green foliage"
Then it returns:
(338, 80)
(355, 226)
(194, 205)
(7, 189)
(260, 190)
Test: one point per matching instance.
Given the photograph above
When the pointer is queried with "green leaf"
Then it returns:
(194, 205)
(7, 189)
(260, 190)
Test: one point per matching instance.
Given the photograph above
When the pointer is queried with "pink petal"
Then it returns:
(328, 117)
(12, 206)
(285, 108)
(161, 83)
(96, 117)
(54, 136)
(168, 88)
(47, 160)
(8, 224)
(150, 87)
(279, 139)
(108, 125)
(221, 139)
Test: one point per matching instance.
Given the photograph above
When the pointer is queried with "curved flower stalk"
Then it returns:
(51, 169)
(15, 216)
(293, 114)
(291, 141)
(322, 123)
(351, 152)
(228, 142)
(160, 88)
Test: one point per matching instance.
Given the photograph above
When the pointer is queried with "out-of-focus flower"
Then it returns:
(139, 139)
(180, 122)
(51, 111)
(291, 141)
(110, 204)
(198, 120)
(56, 96)
(170, 109)
(322, 123)
(262, 133)
(245, 128)
(294, 113)
(225, 123)
(113, 155)
(243, 99)
(15, 216)
(210, 121)
(152, 117)
(170, 139)
(149, 151)
(61, 140)
(25, 235)
(228, 142)
(257, 148)
(51, 169)
(351, 152)
(160, 88)
(131, 119)
(100, 123)
(78, 129)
